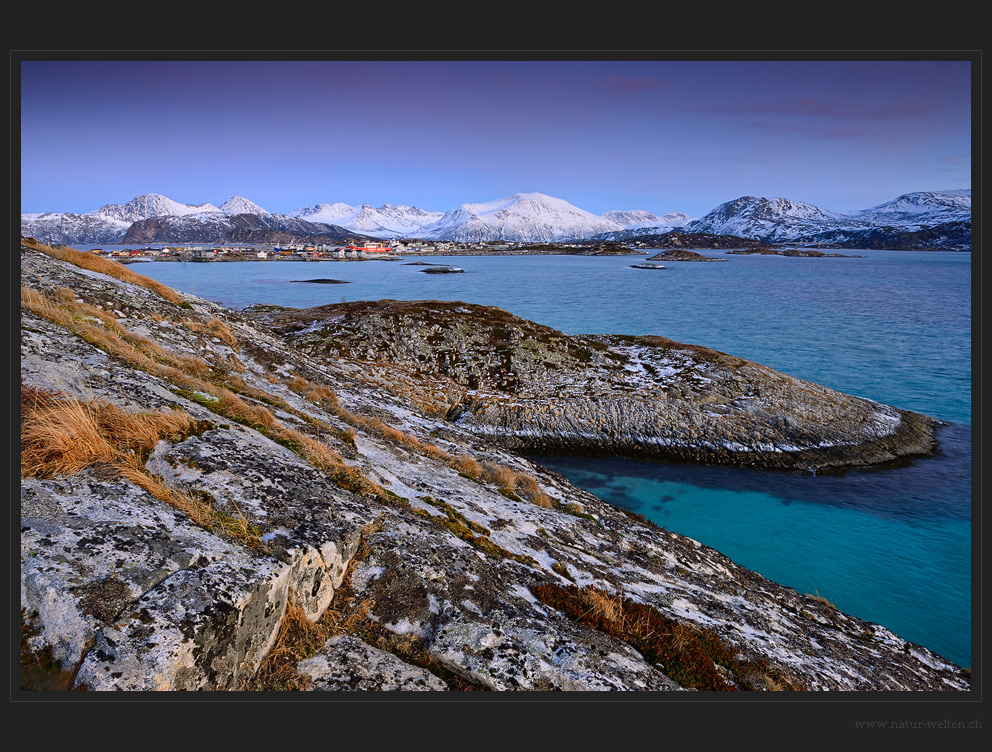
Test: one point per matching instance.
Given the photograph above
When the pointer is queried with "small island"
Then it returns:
(679, 254)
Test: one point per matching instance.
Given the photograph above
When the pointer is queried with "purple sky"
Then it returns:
(662, 136)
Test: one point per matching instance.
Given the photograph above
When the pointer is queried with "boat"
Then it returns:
(646, 266)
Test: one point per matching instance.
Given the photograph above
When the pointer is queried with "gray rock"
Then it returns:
(428, 575)
(532, 388)
(346, 664)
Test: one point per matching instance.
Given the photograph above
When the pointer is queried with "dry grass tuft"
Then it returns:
(61, 438)
(771, 684)
(94, 263)
(319, 394)
(63, 435)
(820, 599)
(233, 363)
(216, 328)
(503, 477)
(190, 374)
(298, 639)
(573, 507)
(102, 330)
(232, 406)
(529, 488)
(467, 465)
(693, 656)
(323, 396)
(604, 606)
(436, 453)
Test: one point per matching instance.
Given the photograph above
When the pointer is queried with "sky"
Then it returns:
(655, 135)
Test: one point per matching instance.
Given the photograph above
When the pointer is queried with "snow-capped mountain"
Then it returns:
(638, 223)
(914, 211)
(52, 227)
(771, 219)
(528, 217)
(387, 221)
(240, 205)
(335, 214)
(631, 220)
(782, 220)
(150, 205)
(937, 219)
(110, 223)
(245, 227)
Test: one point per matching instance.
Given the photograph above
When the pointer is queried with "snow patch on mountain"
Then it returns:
(782, 220)
(527, 217)
(148, 206)
(913, 211)
(386, 221)
(629, 220)
(771, 219)
(241, 205)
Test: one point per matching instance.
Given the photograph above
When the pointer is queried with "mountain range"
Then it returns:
(928, 219)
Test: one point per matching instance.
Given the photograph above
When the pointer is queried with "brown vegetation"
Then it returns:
(62, 435)
(188, 376)
(466, 464)
(92, 262)
(528, 487)
(695, 657)
(300, 638)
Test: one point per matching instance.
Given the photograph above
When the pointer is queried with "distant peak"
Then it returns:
(241, 205)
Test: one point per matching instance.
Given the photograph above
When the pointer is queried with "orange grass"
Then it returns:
(95, 263)
(62, 435)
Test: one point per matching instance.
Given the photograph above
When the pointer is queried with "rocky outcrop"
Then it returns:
(530, 387)
(679, 254)
(206, 507)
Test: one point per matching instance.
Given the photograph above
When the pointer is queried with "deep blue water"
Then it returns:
(893, 546)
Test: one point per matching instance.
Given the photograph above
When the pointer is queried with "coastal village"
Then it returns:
(306, 252)
(359, 251)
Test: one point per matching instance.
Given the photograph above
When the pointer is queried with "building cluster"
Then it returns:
(306, 252)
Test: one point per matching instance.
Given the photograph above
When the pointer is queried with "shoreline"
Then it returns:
(791, 252)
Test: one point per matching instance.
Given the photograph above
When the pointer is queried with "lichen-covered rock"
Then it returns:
(532, 388)
(181, 561)
(134, 595)
(346, 664)
(204, 628)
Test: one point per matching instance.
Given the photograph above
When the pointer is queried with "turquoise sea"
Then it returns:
(892, 546)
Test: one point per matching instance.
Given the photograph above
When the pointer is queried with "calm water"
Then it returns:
(891, 546)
